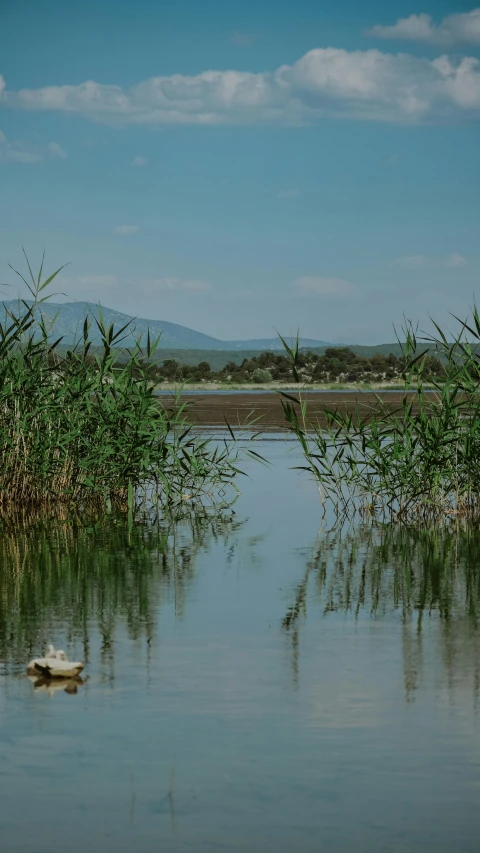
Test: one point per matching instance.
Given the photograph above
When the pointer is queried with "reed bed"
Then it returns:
(418, 461)
(84, 429)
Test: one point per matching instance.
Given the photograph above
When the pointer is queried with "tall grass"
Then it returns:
(84, 429)
(417, 460)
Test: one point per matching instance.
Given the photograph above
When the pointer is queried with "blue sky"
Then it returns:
(238, 167)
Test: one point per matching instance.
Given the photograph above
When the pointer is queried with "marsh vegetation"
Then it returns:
(335, 367)
(80, 428)
(419, 460)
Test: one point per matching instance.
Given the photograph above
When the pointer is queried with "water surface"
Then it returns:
(254, 681)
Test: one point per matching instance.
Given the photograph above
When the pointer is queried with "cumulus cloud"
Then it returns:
(22, 152)
(320, 286)
(292, 193)
(325, 82)
(191, 285)
(127, 229)
(461, 28)
(139, 161)
(416, 261)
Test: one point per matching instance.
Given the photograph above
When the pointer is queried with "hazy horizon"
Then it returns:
(61, 299)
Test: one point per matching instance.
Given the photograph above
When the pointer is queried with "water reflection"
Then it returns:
(424, 576)
(105, 573)
(203, 740)
(53, 685)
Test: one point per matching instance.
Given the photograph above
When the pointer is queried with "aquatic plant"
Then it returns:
(84, 428)
(417, 460)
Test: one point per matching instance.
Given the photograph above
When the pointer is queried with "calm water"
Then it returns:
(254, 682)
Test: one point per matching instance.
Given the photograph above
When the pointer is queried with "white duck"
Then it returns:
(54, 665)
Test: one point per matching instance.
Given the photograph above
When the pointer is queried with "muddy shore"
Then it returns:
(212, 410)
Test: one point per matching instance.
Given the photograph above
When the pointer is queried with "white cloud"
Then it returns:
(244, 39)
(292, 193)
(318, 285)
(127, 229)
(461, 28)
(191, 285)
(139, 161)
(22, 152)
(325, 82)
(417, 261)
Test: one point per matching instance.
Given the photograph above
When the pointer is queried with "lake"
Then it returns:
(255, 681)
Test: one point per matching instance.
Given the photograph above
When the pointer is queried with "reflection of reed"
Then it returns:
(106, 572)
(419, 572)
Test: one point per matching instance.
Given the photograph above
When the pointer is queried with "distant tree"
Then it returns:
(203, 369)
(433, 366)
(341, 354)
(261, 375)
(171, 369)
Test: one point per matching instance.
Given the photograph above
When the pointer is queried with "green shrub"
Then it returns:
(261, 375)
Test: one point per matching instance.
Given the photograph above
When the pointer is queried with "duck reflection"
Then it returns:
(52, 686)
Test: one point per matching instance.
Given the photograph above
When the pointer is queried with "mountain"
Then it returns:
(262, 344)
(66, 320)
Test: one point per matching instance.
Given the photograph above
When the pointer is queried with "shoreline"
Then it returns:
(279, 386)
(262, 410)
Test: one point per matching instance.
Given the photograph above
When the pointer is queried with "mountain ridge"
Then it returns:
(66, 320)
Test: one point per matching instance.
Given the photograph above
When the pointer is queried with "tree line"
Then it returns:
(336, 364)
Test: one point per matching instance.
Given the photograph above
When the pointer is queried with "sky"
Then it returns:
(244, 167)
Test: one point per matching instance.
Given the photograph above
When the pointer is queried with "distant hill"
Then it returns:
(367, 350)
(262, 344)
(66, 320)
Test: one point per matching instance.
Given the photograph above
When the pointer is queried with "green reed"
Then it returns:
(418, 459)
(84, 428)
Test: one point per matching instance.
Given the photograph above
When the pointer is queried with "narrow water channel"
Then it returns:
(255, 681)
